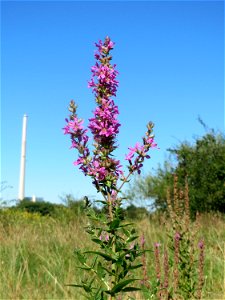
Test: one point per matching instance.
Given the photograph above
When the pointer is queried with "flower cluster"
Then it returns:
(104, 126)
(141, 150)
(79, 138)
(104, 74)
(104, 236)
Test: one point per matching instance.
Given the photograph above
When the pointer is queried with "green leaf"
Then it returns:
(94, 262)
(108, 271)
(135, 267)
(114, 224)
(94, 218)
(84, 286)
(126, 232)
(106, 256)
(97, 241)
(108, 183)
(130, 289)
(87, 288)
(75, 285)
(100, 201)
(125, 225)
(90, 231)
(84, 268)
(118, 287)
(123, 273)
(82, 259)
(132, 238)
(100, 271)
(99, 295)
(133, 230)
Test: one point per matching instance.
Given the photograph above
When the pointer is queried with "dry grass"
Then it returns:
(37, 254)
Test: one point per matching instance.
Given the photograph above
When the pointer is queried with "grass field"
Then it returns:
(37, 254)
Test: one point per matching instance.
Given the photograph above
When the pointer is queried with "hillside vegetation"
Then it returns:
(37, 252)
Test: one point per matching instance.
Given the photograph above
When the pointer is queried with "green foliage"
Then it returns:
(188, 267)
(74, 205)
(137, 213)
(202, 162)
(71, 208)
(37, 254)
(204, 165)
(180, 270)
(110, 266)
(67, 211)
(152, 187)
(43, 208)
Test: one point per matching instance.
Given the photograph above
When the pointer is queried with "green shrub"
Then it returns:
(43, 208)
(133, 212)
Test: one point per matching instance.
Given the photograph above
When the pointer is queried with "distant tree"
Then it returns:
(152, 187)
(42, 207)
(75, 205)
(204, 165)
(134, 212)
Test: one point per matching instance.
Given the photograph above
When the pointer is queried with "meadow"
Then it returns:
(37, 253)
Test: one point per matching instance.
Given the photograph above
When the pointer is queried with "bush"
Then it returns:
(202, 163)
(133, 212)
(43, 208)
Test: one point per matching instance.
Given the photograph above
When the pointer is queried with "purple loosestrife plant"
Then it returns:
(112, 266)
(184, 278)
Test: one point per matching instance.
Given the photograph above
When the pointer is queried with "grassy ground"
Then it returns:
(37, 254)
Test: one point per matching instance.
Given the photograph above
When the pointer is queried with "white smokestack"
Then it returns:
(23, 159)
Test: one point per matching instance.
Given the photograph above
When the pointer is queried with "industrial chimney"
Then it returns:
(23, 159)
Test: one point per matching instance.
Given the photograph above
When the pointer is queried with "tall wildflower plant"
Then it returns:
(179, 265)
(186, 256)
(109, 269)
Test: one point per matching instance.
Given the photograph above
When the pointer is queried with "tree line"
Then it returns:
(201, 163)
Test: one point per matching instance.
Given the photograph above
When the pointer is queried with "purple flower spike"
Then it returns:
(104, 125)
(102, 167)
(201, 244)
(142, 240)
(177, 236)
(139, 152)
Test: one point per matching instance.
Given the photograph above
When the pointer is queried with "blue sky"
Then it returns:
(170, 58)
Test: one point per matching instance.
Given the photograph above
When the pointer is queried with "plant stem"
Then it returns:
(101, 279)
(125, 180)
(110, 207)
(113, 278)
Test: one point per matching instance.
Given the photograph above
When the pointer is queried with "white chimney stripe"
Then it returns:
(23, 160)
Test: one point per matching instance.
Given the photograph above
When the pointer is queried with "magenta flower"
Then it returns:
(137, 149)
(104, 125)
(104, 236)
(177, 236)
(104, 169)
(142, 241)
(141, 151)
(201, 244)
